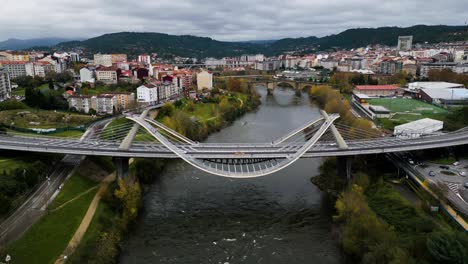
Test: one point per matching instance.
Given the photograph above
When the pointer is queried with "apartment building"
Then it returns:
(108, 75)
(204, 80)
(124, 100)
(14, 68)
(5, 85)
(81, 103)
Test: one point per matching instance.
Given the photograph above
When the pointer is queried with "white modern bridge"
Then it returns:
(142, 137)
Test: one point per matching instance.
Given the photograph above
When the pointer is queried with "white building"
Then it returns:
(87, 75)
(204, 80)
(147, 93)
(418, 128)
(433, 85)
(146, 59)
(81, 103)
(5, 85)
(105, 104)
(108, 75)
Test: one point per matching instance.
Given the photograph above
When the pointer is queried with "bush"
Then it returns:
(12, 105)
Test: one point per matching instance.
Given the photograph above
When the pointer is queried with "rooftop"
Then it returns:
(377, 87)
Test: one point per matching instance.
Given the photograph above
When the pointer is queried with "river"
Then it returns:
(193, 217)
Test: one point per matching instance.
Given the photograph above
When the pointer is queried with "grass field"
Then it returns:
(406, 110)
(34, 118)
(407, 106)
(46, 240)
(9, 164)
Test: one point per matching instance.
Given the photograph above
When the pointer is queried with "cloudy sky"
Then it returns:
(219, 19)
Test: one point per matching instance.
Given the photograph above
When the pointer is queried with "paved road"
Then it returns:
(422, 172)
(30, 211)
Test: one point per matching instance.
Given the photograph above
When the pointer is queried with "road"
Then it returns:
(423, 173)
(35, 206)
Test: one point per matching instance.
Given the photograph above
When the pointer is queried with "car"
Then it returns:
(462, 173)
(465, 185)
(432, 173)
(456, 163)
(444, 167)
(410, 161)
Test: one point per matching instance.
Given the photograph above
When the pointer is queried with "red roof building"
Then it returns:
(377, 90)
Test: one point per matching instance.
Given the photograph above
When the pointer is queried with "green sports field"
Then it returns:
(406, 110)
(400, 105)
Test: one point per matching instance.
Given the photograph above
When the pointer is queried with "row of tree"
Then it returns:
(333, 102)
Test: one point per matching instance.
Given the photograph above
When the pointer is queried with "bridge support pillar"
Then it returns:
(121, 167)
(298, 92)
(344, 166)
(269, 91)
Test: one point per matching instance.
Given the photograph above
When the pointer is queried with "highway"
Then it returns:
(35, 206)
(231, 150)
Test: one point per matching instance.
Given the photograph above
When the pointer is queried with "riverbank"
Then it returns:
(379, 225)
(100, 242)
(190, 216)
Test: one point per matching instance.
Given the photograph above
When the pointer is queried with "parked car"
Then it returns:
(462, 173)
(432, 173)
(444, 167)
(456, 163)
(465, 185)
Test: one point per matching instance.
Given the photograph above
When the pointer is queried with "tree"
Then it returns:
(129, 194)
(447, 246)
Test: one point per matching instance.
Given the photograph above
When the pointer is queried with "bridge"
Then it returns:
(271, 85)
(143, 137)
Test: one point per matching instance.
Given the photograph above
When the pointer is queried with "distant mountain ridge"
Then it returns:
(20, 44)
(166, 45)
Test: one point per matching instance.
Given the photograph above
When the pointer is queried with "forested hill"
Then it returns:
(186, 46)
(192, 46)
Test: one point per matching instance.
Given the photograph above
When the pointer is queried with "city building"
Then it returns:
(204, 80)
(270, 65)
(146, 59)
(15, 55)
(105, 103)
(103, 59)
(445, 97)
(405, 43)
(81, 103)
(434, 85)
(87, 75)
(74, 57)
(376, 90)
(108, 75)
(426, 67)
(14, 68)
(125, 100)
(5, 85)
(418, 128)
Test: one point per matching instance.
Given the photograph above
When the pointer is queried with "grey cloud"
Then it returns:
(222, 20)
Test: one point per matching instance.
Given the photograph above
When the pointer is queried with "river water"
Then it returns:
(193, 217)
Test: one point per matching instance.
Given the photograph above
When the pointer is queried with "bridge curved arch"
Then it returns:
(256, 172)
(289, 84)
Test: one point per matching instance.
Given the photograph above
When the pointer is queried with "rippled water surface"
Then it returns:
(194, 217)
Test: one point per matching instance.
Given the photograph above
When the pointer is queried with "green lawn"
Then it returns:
(9, 164)
(47, 239)
(101, 221)
(444, 161)
(18, 91)
(204, 111)
(35, 118)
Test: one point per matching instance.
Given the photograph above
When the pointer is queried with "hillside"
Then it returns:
(163, 44)
(20, 44)
(191, 46)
